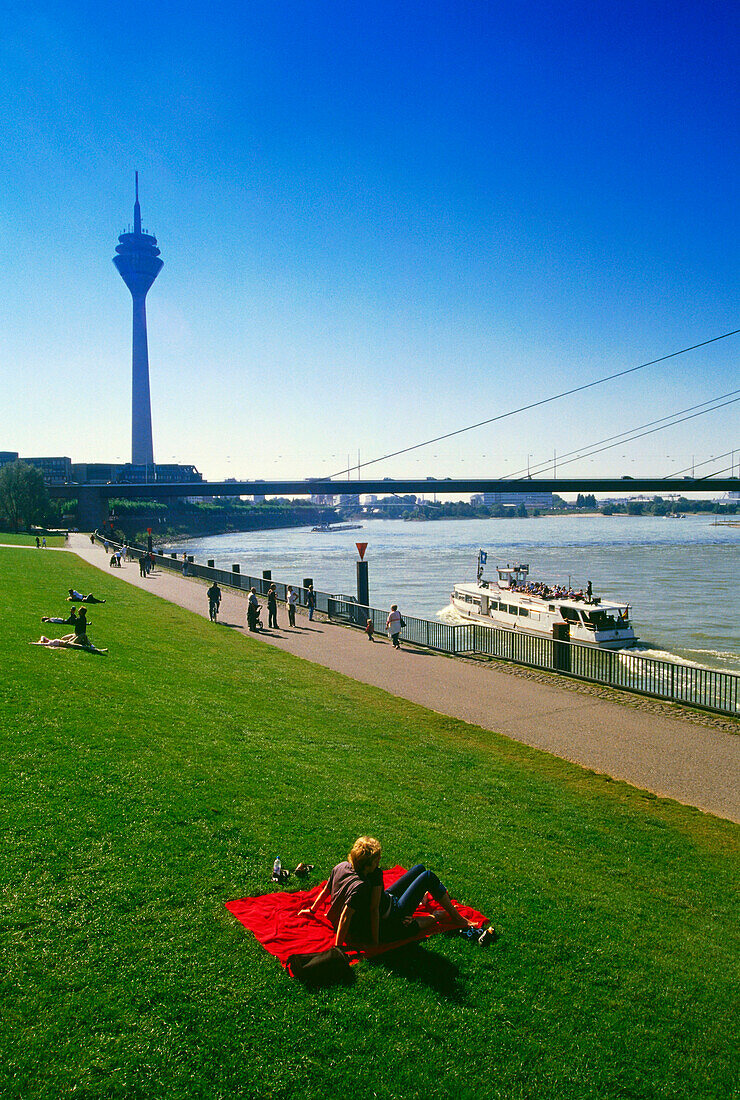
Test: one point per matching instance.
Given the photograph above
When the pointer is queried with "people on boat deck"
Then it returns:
(549, 592)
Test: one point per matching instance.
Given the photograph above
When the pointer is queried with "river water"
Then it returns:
(680, 576)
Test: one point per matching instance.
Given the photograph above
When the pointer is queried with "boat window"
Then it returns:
(551, 607)
(476, 602)
(512, 609)
(569, 614)
(602, 621)
(524, 611)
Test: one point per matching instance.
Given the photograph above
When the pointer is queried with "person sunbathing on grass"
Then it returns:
(69, 621)
(89, 598)
(362, 911)
(67, 642)
(78, 640)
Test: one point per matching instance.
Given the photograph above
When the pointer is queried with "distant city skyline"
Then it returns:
(381, 226)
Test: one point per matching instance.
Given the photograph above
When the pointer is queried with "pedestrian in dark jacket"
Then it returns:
(272, 607)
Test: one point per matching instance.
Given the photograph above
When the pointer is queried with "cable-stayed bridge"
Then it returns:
(93, 499)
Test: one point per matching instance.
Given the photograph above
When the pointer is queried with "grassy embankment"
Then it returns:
(144, 789)
(29, 540)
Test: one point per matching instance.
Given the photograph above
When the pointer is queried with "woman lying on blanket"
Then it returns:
(362, 911)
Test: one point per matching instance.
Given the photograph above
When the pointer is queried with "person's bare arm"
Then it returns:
(343, 927)
(311, 909)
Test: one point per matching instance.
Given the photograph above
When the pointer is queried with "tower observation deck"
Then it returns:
(138, 264)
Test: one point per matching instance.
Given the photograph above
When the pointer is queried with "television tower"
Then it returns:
(138, 265)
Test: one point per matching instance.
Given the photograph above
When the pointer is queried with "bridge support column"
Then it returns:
(92, 508)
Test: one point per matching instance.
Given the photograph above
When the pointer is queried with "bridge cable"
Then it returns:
(706, 462)
(628, 436)
(533, 405)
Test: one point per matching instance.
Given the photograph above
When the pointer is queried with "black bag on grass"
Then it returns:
(320, 968)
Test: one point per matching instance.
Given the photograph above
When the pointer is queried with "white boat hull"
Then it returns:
(618, 639)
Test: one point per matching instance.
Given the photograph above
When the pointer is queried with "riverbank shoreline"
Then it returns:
(666, 754)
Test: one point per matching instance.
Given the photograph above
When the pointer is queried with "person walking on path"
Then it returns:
(291, 598)
(252, 610)
(393, 625)
(310, 602)
(38, 543)
(272, 607)
(369, 630)
(214, 601)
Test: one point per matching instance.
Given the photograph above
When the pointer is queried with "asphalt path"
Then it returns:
(626, 737)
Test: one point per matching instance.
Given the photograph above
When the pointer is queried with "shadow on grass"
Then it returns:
(417, 963)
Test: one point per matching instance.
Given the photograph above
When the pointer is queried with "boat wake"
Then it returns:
(699, 657)
(449, 615)
(645, 649)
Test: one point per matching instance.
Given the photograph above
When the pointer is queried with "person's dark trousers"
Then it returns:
(291, 614)
(272, 618)
(411, 888)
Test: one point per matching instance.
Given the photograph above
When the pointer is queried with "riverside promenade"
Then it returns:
(695, 760)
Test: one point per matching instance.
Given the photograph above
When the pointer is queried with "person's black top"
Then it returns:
(347, 888)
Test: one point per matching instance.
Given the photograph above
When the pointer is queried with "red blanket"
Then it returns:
(275, 922)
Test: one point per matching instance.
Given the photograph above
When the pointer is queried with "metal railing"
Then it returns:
(705, 688)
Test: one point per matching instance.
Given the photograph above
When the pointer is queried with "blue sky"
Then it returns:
(379, 223)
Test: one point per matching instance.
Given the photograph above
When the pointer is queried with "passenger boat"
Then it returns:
(512, 602)
(330, 528)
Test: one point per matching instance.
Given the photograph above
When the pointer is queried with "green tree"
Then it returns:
(24, 499)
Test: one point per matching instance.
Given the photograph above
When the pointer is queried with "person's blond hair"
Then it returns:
(363, 852)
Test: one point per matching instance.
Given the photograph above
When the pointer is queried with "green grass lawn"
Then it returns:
(144, 789)
(29, 540)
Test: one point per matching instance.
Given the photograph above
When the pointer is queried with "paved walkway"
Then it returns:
(634, 740)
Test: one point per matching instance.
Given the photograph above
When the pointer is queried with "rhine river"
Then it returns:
(681, 577)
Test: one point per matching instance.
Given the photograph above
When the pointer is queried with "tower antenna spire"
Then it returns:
(137, 208)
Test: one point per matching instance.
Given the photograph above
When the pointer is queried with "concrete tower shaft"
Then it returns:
(138, 264)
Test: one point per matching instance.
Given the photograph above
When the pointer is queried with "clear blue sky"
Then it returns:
(379, 222)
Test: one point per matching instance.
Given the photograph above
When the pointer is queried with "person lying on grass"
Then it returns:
(79, 598)
(67, 642)
(363, 912)
(69, 621)
(78, 640)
